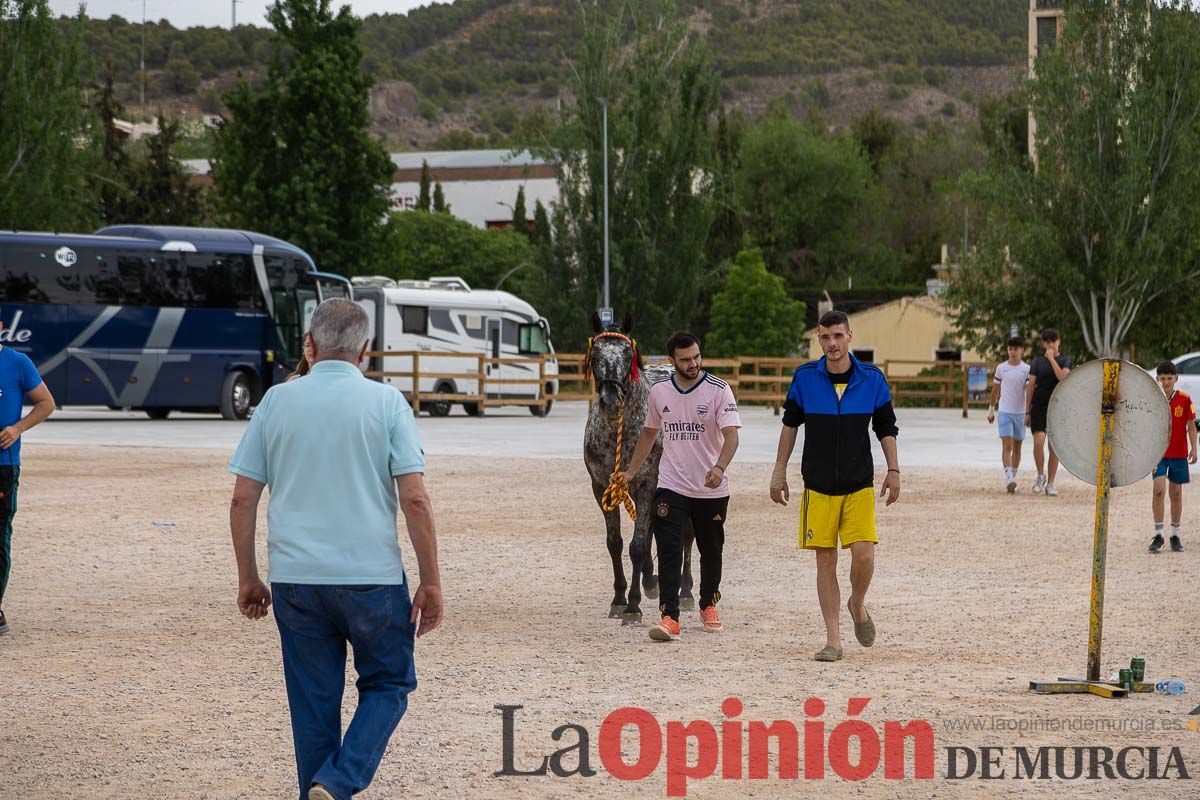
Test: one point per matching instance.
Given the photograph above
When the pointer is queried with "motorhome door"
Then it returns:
(493, 351)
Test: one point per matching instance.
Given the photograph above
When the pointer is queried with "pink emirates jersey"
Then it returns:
(691, 423)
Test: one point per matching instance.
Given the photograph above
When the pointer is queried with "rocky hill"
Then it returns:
(471, 73)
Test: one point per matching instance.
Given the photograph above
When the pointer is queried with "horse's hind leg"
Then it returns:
(649, 579)
(686, 601)
(612, 524)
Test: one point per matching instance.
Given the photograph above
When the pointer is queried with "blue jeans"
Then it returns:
(315, 623)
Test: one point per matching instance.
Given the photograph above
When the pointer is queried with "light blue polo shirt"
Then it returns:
(329, 446)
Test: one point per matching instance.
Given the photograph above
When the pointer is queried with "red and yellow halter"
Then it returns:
(634, 374)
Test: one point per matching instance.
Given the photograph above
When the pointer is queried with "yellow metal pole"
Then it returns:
(1108, 404)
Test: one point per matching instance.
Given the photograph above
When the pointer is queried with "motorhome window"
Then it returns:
(533, 339)
(472, 324)
(439, 319)
(415, 319)
(509, 335)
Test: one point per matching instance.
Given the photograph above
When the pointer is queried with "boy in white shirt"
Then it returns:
(1009, 388)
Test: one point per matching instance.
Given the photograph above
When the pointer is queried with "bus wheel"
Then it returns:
(235, 396)
(158, 413)
(472, 409)
(439, 408)
(539, 411)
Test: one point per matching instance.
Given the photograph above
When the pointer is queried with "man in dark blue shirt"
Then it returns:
(19, 380)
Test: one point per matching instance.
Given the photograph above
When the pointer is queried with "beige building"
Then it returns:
(1045, 24)
(911, 329)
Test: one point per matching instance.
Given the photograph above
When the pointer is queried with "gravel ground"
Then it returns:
(129, 672)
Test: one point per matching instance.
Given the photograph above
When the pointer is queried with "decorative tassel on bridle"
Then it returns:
(617, 492)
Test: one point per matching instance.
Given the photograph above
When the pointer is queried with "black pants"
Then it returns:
(671, 512)
(10, 479)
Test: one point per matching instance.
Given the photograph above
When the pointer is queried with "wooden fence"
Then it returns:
(754, 380)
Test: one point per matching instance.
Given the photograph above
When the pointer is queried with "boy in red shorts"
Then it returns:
(1173, 469)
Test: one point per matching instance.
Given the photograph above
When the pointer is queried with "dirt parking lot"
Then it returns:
(129, 672)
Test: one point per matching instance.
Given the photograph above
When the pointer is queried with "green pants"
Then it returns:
(10, 478)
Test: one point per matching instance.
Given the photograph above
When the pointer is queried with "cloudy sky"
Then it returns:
(188, 13)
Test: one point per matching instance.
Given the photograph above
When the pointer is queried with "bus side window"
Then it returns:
(22, 267)
(131, 269)
(105, 283)
(509, 332)
(198, 279)
(245, 288)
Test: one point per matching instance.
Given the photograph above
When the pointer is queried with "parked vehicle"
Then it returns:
(159, 318)
(1189, 374)
(444, 315)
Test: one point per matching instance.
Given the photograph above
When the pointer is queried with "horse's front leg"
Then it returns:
(612, 524)
(639, 551)
(686, 601)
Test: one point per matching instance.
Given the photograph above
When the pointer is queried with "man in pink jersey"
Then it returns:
(698, 416)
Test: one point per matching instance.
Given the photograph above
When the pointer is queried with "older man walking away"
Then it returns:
(337, 450)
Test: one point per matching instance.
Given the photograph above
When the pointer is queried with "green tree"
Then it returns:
(540, 234)
(520, 220)
(424, 198)
(295, 159)
(439, 199)
(654, 76)
(113, 187)
(1105, 224)
(50, 155)
(808, 199)
(419, 244)
(162, 190)
(179, 74)
(754, 315)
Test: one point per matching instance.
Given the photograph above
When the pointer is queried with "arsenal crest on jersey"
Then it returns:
(702, 410)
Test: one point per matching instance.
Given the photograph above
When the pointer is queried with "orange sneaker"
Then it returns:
(666, 630)
(712, 623)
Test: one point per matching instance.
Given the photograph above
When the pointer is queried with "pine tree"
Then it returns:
(520, 220)
(424, 202)
(439, 200)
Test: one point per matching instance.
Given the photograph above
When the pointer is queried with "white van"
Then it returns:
(445, 315)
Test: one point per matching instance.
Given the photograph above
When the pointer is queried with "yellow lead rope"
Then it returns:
(617, 492)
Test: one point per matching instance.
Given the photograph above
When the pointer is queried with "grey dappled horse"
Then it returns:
(611, 361)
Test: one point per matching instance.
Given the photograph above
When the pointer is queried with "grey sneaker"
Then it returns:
(1156, 544)
(1051, 491)
(4, 622)
(1039, 485)
(1176, 545)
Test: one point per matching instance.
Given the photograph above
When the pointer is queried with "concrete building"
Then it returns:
(1045, 24)
(916, 329)
(480, 186)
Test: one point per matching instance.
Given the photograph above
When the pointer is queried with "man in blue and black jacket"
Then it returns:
(840, 400)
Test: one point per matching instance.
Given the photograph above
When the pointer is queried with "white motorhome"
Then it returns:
(445, 315)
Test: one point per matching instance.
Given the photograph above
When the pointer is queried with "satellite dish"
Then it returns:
(1141, 423)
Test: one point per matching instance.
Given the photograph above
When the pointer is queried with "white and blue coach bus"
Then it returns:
(159, 318)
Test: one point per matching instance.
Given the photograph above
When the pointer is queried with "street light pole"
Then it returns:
(604, 105)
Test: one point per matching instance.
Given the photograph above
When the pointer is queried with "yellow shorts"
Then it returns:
(826, 518)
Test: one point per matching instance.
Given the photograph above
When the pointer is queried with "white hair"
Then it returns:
(339, 327)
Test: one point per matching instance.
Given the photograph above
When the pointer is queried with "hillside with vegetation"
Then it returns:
(486, 72)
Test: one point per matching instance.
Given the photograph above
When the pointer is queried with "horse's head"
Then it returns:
(613, 360)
